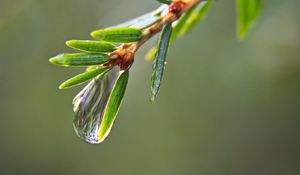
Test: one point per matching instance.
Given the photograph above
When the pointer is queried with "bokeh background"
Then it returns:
(225, 107)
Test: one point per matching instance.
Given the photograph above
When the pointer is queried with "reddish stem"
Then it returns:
(124, 55)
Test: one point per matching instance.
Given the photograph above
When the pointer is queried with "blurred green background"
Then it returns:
(225, 107)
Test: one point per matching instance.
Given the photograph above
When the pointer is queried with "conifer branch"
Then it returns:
(125, 53)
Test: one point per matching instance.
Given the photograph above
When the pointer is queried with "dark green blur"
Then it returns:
(225, 107)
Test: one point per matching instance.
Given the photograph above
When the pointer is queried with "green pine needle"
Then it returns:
(118, 35)
(165, 1)
(91, 46)
(84, 77)
(159, 65)
(113, 105)
(80, 59)
(247, 13)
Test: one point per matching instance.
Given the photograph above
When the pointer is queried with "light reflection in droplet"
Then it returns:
(89, 105)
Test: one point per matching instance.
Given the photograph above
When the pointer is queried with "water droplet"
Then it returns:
(89, 106)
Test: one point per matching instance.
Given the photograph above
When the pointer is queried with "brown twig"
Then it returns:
(124, 55)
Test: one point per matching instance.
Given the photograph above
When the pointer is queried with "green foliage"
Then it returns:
(159, 66)
(118, 35)
(185, 23)
(113, 105)
(91, 68)
(91, 46)
(80, 59)
(192, 17)
(165, 1)
(82, 78)
(151, 53)
(109, 60)
(247, 12)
